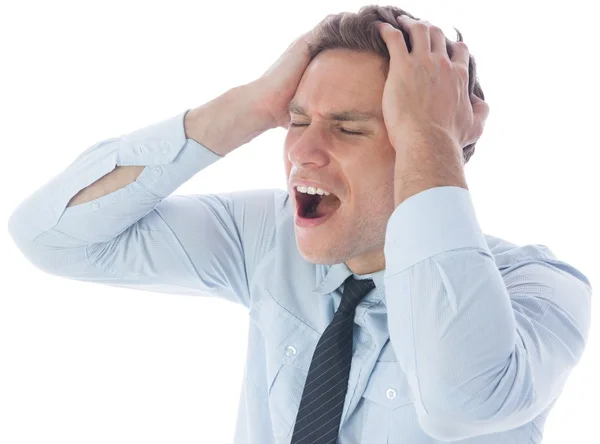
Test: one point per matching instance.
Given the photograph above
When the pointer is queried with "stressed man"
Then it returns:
(379, 311)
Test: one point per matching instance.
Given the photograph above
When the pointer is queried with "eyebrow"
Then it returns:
(352, 115)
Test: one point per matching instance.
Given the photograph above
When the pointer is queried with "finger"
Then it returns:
(438, 39)
(418, 32)
(460, 53)
(394, 40)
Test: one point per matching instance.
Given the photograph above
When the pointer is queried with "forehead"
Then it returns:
(342, 115)
(343, 85)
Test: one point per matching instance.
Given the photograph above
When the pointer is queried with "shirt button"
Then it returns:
(391, 393)
(166, 147)
(141, 148)
(95, 205)
(290, 350)
(157, 171)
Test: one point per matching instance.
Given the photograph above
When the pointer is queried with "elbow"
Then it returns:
(21, 226)
(444, 419)
(16, 230)
(452, 416)
(444, 430)
(453, 427)
(42, 257)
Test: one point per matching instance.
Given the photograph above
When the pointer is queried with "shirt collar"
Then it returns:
(338, 273)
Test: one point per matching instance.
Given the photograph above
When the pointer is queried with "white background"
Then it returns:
(85, 363)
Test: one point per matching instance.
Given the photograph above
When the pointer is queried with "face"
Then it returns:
(357, 168)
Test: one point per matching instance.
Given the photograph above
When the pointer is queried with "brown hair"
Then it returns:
(357, 31)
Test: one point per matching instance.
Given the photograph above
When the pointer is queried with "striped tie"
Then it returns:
(322, 403)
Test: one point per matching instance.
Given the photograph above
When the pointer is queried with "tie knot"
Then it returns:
(354, 291)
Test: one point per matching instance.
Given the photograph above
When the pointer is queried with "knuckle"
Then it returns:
(436, 30)
(445, 62)
(463, 71)
(461, 46)
(463, 74)
(420, 26)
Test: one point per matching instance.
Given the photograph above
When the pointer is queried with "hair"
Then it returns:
(358, 32)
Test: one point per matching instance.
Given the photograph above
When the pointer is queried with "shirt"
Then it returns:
(467, 338)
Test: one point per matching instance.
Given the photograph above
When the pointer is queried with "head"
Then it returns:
(337, 140)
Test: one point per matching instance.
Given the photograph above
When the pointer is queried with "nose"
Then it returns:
(310, 148)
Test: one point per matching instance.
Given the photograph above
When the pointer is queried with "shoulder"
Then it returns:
(509, 255)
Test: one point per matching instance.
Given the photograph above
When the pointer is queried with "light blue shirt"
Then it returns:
(467, 338)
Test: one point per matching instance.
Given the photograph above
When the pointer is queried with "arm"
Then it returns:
(129, 231)
(487, 341)
(222, 125)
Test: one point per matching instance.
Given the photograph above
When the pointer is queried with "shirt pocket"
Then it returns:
(289, 346)
(386, 399)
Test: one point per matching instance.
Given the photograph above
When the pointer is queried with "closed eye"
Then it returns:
(351, 133)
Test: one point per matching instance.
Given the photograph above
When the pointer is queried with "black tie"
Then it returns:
(322, 402)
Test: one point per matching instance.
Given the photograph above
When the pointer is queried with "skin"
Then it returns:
(339, 80)
(424, 116)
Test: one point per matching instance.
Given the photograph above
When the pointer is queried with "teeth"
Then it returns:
(312, 190)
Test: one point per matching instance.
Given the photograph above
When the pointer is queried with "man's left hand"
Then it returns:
(426, 90)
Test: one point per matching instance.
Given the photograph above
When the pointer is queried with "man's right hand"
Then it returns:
(277, 86)
(244, 112)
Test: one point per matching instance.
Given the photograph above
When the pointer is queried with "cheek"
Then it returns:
(377, 185)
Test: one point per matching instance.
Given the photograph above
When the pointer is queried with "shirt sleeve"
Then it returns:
(485, 348)
(141, 236)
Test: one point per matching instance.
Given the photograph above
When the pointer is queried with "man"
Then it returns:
(380, 313)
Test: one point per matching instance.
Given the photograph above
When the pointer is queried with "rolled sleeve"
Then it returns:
(484, 349)
(431, 222)
(170, 159)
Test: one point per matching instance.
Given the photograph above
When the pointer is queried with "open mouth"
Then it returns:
(314, 206)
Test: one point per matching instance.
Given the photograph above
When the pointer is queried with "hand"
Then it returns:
(425, 90)
(277, 86)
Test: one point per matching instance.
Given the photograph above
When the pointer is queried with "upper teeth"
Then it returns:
(312, 190)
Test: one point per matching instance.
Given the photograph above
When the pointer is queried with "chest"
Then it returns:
(378, 394)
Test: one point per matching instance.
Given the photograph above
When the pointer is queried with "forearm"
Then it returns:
(118, 178)
(229, 121)
(221, 125)
(426, 160)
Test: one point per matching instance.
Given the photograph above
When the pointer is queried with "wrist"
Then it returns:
(227, 122)
(426, 158)
(254, 92)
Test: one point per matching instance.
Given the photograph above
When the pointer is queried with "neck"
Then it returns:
(369, 262)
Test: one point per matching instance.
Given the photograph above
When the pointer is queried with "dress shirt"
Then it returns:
(467, 338)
